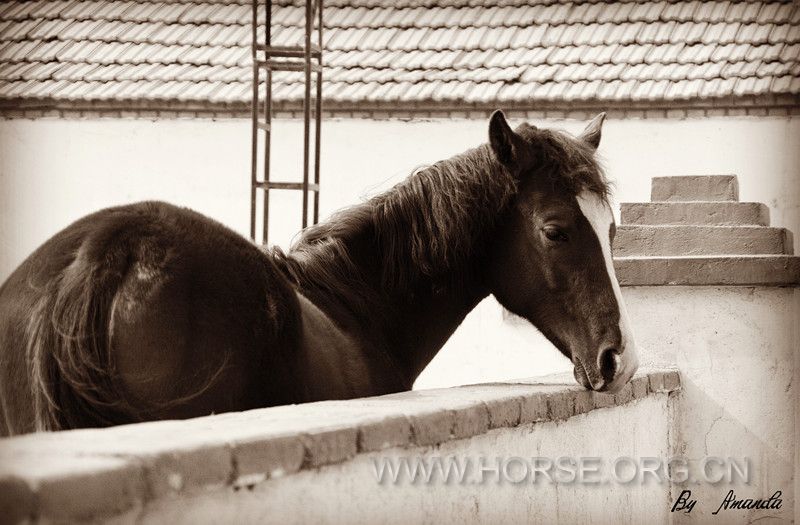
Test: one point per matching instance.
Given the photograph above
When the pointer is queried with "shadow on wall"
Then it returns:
(703, 428)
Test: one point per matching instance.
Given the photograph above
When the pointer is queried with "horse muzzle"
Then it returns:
(612, 370)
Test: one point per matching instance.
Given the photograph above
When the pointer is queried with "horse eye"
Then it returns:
(556, 235)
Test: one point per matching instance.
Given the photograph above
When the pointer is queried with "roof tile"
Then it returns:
(793, 17)
(607, 13)
(768, 13)
(624, 89)
(783, 33)
(782, 83)
(716, 12)
(506, 50)
(794, 84)
(751, 11)
(789, 53)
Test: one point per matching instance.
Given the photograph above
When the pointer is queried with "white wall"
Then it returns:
(737, 350)
(349, 492)
(54, 171)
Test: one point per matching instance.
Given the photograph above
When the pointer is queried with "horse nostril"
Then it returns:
(609, 364)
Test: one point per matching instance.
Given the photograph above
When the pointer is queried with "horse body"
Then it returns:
(199, 321)
(149, 311)
(131, 311)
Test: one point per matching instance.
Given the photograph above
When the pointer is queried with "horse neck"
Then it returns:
(419, 251)
(427, 319)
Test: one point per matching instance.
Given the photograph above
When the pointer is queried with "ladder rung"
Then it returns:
(264, 126)
(288, 51)
(272, 185)
(287, 65)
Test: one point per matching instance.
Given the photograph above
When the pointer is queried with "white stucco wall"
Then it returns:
(737, 350)
(54, 171)
(350, 493)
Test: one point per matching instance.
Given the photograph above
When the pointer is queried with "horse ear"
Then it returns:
(591, 134)
(501, 137)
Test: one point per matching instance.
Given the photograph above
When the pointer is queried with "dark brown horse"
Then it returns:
(149, 311)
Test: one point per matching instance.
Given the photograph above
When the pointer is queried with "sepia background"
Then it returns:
(105, 103)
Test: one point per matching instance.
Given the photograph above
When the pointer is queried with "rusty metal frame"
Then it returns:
(306, 59)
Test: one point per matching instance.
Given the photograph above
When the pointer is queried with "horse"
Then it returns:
(150, 311)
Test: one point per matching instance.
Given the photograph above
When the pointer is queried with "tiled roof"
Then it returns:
(475, 52)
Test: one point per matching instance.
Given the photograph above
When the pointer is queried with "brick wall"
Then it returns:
(149, 470)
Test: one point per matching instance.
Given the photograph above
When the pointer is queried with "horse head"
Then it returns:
(551, 259)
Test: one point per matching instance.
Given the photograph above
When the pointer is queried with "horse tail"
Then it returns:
(68, 347)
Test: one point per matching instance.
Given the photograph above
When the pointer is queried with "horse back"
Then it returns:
(144, 311)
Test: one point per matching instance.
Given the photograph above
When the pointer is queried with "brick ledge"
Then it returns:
(768, 104)
(86, 474)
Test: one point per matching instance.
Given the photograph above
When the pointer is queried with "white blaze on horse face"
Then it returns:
(599, 214)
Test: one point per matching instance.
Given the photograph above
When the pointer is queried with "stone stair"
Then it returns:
(715, 188)
(698, 212)
(698, 216)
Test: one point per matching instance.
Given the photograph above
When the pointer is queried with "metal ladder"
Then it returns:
(306, 59)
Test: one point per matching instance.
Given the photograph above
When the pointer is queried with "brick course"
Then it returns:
(99, 473)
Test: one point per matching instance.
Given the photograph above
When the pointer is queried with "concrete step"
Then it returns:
(707, 270)
(695, 188)
(701, 240)
(698, 213)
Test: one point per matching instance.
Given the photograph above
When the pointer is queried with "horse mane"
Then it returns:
(425, 226)
(433, 223)
(569, 163)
